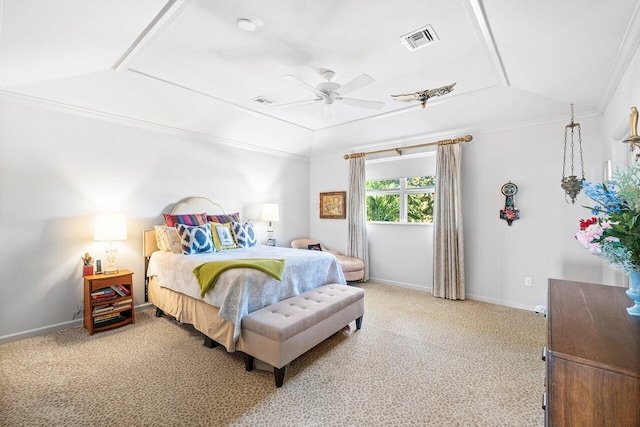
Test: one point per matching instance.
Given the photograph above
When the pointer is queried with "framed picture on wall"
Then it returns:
(333, 205)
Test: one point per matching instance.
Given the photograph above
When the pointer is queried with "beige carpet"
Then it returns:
(417, 361)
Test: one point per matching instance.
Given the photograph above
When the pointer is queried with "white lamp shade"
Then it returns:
(270, 212)
(110, 227)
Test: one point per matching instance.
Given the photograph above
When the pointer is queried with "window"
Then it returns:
(401, 199)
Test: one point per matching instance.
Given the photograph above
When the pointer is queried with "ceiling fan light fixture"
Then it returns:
(246, 24)
(329, 112)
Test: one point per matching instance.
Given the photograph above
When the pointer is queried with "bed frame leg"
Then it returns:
(208, 342)
(359, 322)
(159, 313)
(248, 362)
(278, 374)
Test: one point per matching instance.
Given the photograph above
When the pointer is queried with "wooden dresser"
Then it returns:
(592, 357)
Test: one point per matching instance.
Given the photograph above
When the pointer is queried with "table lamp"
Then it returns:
(110, 228)
(270, 213)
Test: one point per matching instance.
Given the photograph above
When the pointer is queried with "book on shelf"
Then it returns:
(104, 310)
(123, 303)
(103, 299)
(110, 321)
(106, 316)
(124, 289)
(102, 291)
(103, 295)
(117, 289)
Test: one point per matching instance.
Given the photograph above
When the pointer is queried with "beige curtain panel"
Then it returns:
(357, 214)
(448, 242)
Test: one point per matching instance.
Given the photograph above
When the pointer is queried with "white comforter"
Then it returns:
(239, 291)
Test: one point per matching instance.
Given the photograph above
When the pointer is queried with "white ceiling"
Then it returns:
(167, 62)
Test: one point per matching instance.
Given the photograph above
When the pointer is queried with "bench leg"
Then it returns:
(248, 362)
(208, 342)
(278, 373)
(359, 322)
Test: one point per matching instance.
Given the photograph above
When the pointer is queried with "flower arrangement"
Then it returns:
(614, 233)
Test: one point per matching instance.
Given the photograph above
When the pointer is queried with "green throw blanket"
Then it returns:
(209, 272)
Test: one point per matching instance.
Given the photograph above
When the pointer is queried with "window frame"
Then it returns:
(403, 192)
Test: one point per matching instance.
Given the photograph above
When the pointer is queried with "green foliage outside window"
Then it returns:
(382, 184)
(383, 208)
(420, 207)
(421, 181)
(388, 198)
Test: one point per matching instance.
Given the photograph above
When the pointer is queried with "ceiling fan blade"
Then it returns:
(296, 104)
(297, 81)
(372, 105)
(361, 81)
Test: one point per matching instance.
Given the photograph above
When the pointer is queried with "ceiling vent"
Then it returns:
(262, 100)
(419, 38)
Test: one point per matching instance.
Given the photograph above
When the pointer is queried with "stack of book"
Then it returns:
(102, 309)
(103, 294)
(107, 319)
(125, 303)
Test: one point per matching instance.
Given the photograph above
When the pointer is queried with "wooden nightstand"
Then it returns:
(108, 301)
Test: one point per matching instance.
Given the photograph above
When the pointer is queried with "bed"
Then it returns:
(172, 287)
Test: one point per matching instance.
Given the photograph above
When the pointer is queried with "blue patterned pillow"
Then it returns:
(195, 239)
(245, 235)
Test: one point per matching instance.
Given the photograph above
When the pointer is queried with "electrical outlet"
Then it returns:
(527, 281)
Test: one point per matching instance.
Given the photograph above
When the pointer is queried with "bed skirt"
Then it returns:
(202, 316)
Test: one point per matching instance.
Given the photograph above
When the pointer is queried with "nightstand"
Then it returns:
(108, 301)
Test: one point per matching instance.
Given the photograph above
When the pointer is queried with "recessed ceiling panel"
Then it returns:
(204, 50)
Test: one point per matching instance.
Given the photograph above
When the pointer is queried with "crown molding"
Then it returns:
(42, 103)
(624, 56)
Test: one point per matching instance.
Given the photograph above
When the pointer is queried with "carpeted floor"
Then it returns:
(417, 361)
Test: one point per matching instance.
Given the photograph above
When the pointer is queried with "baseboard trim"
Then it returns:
(55, 328)
(400, 284)
(467, 296)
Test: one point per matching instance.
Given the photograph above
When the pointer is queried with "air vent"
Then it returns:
(419, 38)
(262, 100)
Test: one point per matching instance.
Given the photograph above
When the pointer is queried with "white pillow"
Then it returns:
(168, 239)
(161, 238)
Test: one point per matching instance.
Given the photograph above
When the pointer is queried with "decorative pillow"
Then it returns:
(161, 238)
(175, 243)
(315, 247)
(168, 239)
(195, 239)
(245, 235)
(223, 219)
(187, 219)
(222, 236)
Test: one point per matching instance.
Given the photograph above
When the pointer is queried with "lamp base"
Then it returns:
(114, 271)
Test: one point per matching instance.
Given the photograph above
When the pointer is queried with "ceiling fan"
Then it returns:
(330, 92)
(424, 95)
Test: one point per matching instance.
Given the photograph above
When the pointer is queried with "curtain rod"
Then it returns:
(399, 150)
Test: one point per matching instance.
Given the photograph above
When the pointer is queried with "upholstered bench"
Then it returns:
(281, 332)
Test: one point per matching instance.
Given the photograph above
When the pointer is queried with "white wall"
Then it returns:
(497, 257)
(59, 168)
